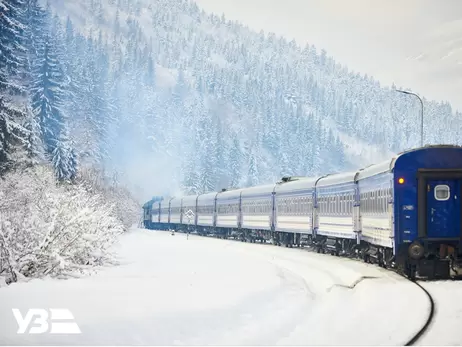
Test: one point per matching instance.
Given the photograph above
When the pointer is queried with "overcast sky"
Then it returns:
(416, 44)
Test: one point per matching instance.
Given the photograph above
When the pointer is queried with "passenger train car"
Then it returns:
(404, 212)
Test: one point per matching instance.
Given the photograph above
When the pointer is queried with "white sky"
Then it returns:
(415, 43)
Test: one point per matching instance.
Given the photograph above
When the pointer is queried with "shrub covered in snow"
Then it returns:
(50, 228)
(126, 208)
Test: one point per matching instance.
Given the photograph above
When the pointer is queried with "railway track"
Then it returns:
(429, 320)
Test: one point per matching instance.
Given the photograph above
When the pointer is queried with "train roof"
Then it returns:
(230, 194)
(389, 164)
(304, 183)
(376, 169)
(189, 199)
(208, 196)
(259, 190)
(339, 178)
(175, 201)
(155, 199)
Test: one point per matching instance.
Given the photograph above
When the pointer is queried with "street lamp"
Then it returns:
(421, 112)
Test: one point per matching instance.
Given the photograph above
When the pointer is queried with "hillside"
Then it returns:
(200, 103)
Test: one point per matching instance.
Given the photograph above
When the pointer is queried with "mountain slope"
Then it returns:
(232, 107)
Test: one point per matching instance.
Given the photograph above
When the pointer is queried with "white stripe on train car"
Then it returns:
(336, 226)
(378, 241)
(205, 220)
(175, 218)
(227, 221)
(256, 221)
(293, 223)
(376, 229)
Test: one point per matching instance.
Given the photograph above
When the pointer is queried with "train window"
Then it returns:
(442, 192)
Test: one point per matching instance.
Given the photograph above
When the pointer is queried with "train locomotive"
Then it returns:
(403, 213)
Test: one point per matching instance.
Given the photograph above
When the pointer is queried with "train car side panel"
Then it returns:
(376, 201)
(175, 211)
(206, 209)
(335, 199)
(257, 208)
(294, 211)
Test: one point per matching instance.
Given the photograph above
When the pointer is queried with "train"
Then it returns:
(403, 213)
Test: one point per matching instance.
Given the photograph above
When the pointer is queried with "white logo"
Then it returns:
(40, 319)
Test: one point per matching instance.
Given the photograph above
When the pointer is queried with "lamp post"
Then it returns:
(421, 112)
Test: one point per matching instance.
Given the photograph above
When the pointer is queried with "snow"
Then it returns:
(445, 328)
(172, 290)
(53, 229)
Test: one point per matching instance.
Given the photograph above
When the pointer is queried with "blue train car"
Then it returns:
(427, 209)
(335, 224)
(410, 211)
(256, 218)
(374, 212)
(227, 213)
(294, 212)
(151, 212)
(206, 213)
(147, 208)
(404, 212)
(174, 218)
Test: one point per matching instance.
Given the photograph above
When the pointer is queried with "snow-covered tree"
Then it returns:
(48, 105)
(12, 69)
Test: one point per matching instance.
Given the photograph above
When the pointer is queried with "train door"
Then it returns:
(443, 212)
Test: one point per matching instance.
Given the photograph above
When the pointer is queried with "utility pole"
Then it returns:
(421, 112)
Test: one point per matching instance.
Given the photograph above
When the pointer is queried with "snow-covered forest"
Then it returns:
(105, 99)
(59, 211)
(199, 103)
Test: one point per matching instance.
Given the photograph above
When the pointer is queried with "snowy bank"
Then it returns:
(54, 229)
(170, 290)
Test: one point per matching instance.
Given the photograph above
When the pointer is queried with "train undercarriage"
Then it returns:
(430, 260)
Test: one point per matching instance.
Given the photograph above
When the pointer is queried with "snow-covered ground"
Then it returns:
(171, 290)
(446, 327)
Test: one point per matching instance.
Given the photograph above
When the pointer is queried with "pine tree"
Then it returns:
(48, 105)
(12, 70)
(253, 173)
(235, 163)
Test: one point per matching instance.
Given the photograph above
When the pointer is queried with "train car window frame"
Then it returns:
(442, 188)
